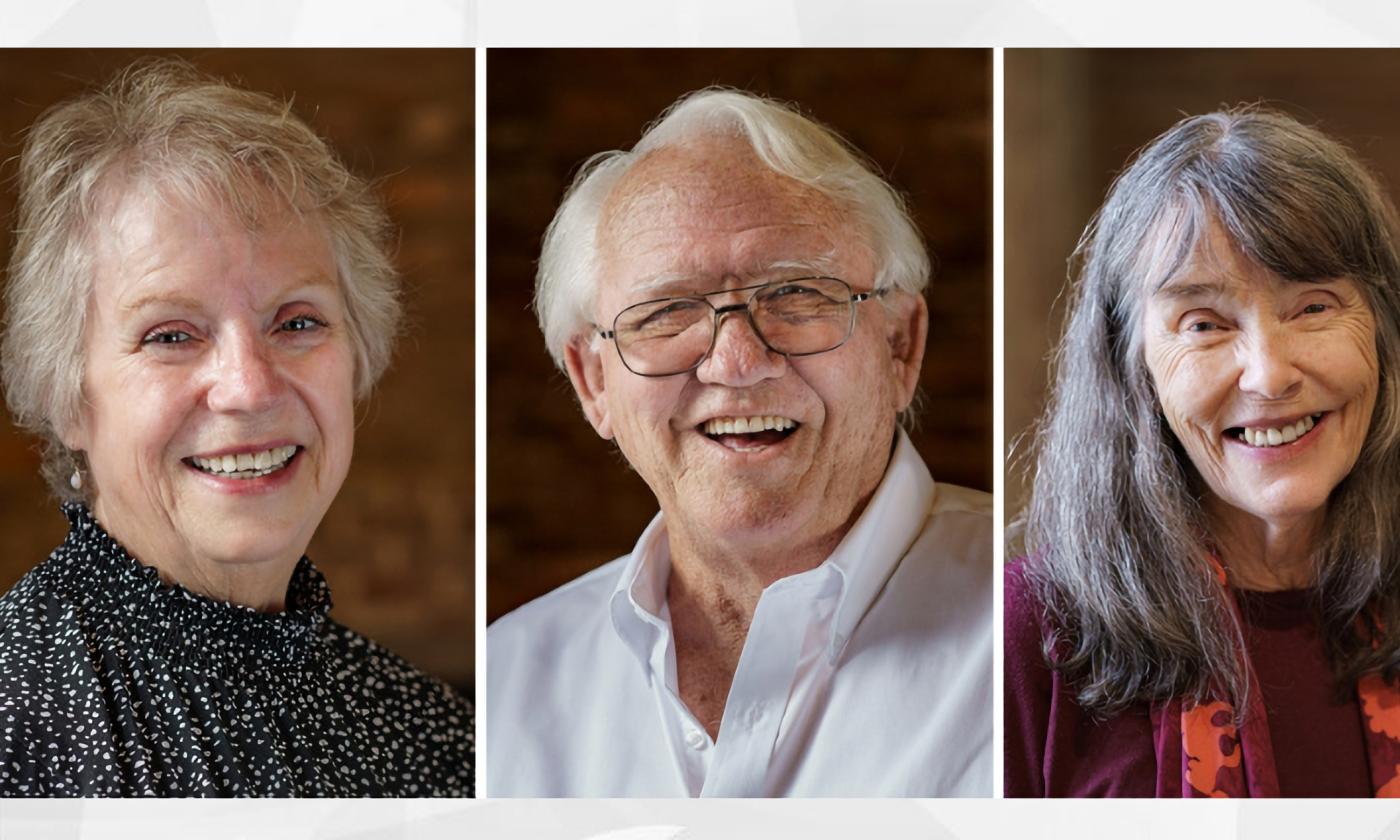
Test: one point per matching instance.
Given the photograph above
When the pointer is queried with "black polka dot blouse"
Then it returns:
(115, 684)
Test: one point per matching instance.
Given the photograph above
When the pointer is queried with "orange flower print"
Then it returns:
(1210, 742)
(1381, 705)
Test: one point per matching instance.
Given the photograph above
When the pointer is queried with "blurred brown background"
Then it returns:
(1074, 117)
(397, 544)
(560, 500)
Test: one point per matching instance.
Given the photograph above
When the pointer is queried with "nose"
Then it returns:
(739, 357)
(244, 374)
(1268, 365)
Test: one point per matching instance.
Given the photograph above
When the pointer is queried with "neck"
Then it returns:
(260, 583)
(722, 574)
(712, 592)
(1265, 554)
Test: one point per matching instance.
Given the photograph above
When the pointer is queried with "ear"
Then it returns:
(584, 364)
(906, 331)
(73, 433)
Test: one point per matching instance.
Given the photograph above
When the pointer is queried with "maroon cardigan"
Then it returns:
(1056, 748)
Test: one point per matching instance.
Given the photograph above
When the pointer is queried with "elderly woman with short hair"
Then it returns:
(198, 294)
(1209, 602)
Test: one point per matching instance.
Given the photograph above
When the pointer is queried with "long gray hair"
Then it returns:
(1115, 531)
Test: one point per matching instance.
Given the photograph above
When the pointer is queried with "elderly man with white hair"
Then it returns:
(737, 301)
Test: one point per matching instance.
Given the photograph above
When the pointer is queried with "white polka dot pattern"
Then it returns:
(115, 684)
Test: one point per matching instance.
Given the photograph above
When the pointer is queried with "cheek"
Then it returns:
(1184, 384)
(1360, 360)
(858, 396)
(139, 416)
(327, 383)
(638, 404)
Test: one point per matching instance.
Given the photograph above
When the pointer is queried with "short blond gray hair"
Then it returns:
(161, 123)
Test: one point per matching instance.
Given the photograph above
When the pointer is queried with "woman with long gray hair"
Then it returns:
(1209, 600)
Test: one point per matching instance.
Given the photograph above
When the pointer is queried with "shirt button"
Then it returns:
(695, 739)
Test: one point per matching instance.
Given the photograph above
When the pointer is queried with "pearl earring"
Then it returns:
(76, 479)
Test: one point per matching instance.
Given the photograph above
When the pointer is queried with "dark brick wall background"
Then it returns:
(560, 500)
(1074, 117)
(397, 544)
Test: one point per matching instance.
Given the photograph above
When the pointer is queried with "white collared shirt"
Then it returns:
(870, 675)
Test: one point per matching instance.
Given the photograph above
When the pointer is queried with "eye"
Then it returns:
(166, 336)
(667, 319)
(301, 323)
(790, 290)
(1315, 309)
(1202, 322)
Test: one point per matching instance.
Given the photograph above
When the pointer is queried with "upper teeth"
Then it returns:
(262, 462)
(745, 425)
(1279, 436)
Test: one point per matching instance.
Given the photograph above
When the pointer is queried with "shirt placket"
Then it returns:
(758, 697)
(689, 744)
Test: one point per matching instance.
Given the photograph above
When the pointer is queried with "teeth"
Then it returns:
(748, 425)
(247, 464)
(1281, 435)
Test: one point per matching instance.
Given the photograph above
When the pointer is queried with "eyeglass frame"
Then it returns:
(718, 313)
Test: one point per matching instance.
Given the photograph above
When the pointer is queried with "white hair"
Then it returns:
(790, 144)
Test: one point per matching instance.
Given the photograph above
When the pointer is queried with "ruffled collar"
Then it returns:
(122, 599)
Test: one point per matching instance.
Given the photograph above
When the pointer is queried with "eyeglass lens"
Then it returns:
(794, 318)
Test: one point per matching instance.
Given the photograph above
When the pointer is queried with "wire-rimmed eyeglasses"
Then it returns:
(799, 317)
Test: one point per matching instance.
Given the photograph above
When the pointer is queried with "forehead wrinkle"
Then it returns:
(819, 265)
(713, 175)
(311, 280)
(1206, 257)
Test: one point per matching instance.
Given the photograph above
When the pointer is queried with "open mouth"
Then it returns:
(245, 465)
(749, 432)
(1263, 438)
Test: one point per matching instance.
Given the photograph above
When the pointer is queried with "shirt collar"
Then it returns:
(871, 550)
(864, 559)
(638, 603)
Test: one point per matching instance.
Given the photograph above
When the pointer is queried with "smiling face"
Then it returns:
(710, 216)
(218, 419)
(1268, 384)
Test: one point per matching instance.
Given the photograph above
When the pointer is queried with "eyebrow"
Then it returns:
(177, 301)
(1179, 291)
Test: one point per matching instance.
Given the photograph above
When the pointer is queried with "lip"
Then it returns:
(1275, 421)
(747, 456)
(261, 485)
(1282, 452)
(746, 411)
(248, 449)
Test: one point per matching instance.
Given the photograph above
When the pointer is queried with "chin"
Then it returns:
(255, 550)
(1284, 506)
(752, 511)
